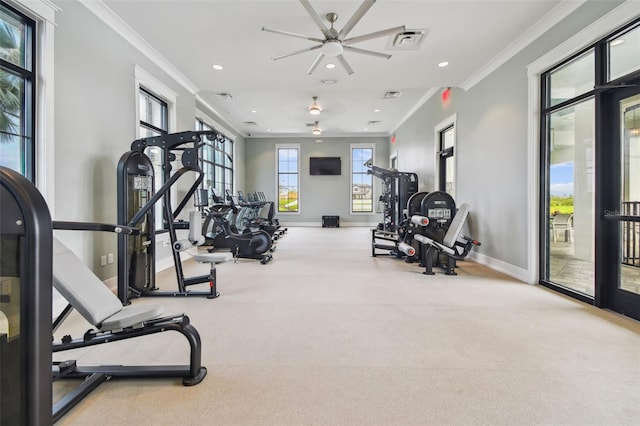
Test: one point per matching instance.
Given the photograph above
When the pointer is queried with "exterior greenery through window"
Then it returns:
(216, 159)
(154, 119)
(17, 92)
(361, 181)
(288, 178)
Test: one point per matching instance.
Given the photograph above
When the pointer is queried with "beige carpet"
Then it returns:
(328, 335)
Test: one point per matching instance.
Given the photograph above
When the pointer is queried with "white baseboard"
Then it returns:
(500, 266)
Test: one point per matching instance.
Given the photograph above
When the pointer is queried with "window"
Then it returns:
(216, 158)
(288, 167)
(154, 120)
(17, 92)
(571, 79)
(361, 181)
(445, 147)
(447, 166)
(623, 53)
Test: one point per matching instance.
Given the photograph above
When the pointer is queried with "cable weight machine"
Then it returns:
(398, 188)
(136, 208)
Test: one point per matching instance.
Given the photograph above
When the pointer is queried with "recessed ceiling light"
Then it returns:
(617, 42)
(366, 130)
(268, 130)
(376, 110)
(443, 64)
(218, 67)
(330, 66)
(253, 111)
(329, 81)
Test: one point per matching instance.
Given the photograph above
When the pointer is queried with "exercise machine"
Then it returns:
(441, 240)
(137, 199)
(398, 187)
(32, 261)
(221, 234)
(390, 233)
(26, 240)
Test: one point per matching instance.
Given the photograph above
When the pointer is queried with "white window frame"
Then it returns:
(353, 146)
(277, 197)
(152, 84)
(452, 120)
(394, 156)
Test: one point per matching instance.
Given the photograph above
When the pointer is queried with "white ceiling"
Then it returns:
(194, 35)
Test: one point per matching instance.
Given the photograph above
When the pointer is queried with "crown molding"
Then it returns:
(423, 100)
(116, 23)
(552, 18)
(42, 9)
(621, 15)
(109, 17)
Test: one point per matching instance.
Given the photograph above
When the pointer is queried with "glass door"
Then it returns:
(623, 293)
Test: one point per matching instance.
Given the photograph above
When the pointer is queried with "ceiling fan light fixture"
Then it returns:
(314, 109)
(316, 129)
(332, 48)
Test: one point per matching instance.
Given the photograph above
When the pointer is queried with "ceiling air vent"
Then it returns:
(249, 123)
(392, 95)
(374, 122)
(407, 40)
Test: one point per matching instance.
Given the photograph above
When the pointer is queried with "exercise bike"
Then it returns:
(219, 233)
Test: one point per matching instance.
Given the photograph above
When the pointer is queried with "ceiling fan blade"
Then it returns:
(286, 55)
(292, 34)
(316, 18)
(345, 64)
(357, 16)
(367, 52)
(377, 34)
(315, 64)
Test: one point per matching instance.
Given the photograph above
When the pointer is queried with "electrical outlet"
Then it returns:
(103, 260)
(110, 258)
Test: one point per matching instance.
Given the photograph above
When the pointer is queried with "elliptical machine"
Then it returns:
(220, 233)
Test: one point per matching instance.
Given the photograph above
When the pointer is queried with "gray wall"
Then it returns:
(491, 144)
(319, 195)
(95, 101)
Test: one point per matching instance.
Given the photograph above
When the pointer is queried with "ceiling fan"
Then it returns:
(334, 42)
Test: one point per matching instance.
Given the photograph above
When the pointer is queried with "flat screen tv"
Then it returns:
(325, 166)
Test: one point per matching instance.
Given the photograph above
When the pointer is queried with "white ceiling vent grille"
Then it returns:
(407, 40)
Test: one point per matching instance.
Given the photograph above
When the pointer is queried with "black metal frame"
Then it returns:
(26, 215)
(92, 376)
(224, 139)
(189, 144)
(607, 172)
(191, 374)
(443, 154)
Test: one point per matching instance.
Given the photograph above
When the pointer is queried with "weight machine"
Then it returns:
(440, 239)
(136, 208)
(398, 188)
